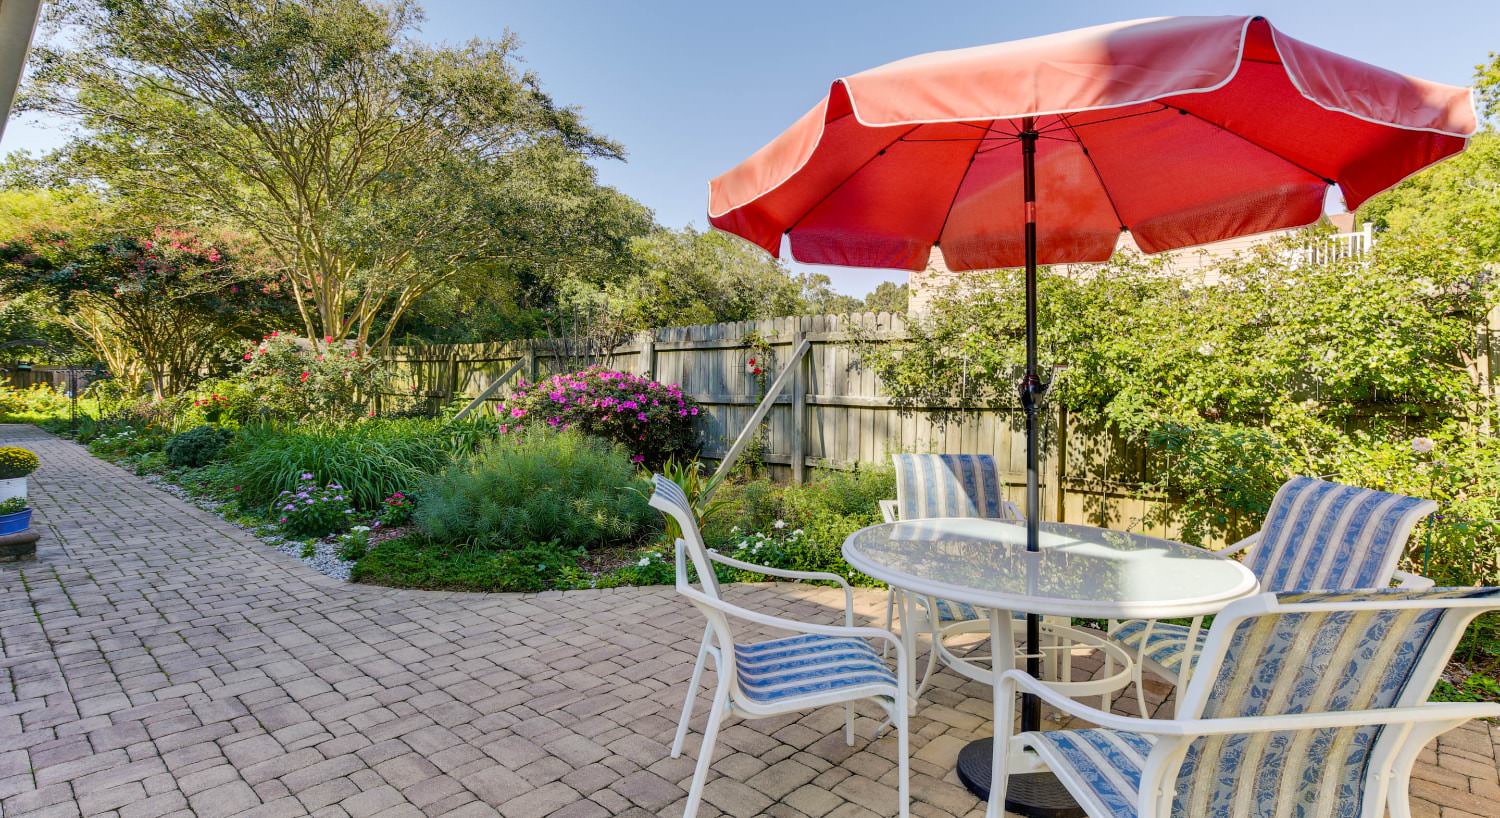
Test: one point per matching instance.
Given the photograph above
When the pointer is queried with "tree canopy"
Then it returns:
(372, 167)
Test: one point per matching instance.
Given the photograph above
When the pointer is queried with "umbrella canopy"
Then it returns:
(1182, 130)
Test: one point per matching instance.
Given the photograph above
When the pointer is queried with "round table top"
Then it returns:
(1080, 570)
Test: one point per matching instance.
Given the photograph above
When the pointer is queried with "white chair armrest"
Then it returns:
(787, 573)
(1439, 711)
(1414, 582)
(1230, 550)
(780, 623)
(888, 511)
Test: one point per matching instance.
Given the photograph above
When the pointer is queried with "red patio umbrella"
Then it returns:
(1181, 130)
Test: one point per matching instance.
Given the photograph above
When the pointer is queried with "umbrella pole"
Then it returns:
(1031, 390)
(1038, 794)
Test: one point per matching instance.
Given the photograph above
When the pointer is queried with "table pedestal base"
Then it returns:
(1034, 795)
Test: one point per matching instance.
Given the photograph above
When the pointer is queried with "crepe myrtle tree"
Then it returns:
(371, 166)
(157, 309)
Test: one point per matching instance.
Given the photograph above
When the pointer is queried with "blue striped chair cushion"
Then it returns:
(1327, 536)
(1277, 664)
(1303, 662)
(1107, 762)
(1164, 645)
(949, 485)
(804, 665)
(950, 611)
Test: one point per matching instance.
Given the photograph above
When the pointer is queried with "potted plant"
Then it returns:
(15, 516)
(15, 464)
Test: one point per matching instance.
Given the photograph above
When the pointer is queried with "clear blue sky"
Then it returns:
(691, 88)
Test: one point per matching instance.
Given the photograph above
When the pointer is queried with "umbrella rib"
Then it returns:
(1097, 173)
(1299, 166)
(938, 240)
(845, 181)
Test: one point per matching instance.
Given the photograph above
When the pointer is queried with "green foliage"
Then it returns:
(197, 447)
(284, 378)
(888, 296)
(800, 527)
(690, 277)
(1227, 387)
(413, 562)
(14, 505)
(373, 459)
(536, 487)
(31, 405)
(313, 510)
(653, 421)
(17, 462)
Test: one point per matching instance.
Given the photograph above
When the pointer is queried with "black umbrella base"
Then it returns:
(1034, 795)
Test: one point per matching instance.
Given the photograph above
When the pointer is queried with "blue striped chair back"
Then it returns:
(670, 499)
(950, 485)
(1327, 536)
(1356, 657)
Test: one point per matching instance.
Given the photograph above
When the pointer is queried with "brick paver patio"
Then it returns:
(156, 660)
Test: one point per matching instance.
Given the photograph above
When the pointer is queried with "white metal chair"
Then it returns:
(955, 485)
(1312, 704)
(1318, 536)
(818, 665)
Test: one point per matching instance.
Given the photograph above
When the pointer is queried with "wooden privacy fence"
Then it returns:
(833, 415)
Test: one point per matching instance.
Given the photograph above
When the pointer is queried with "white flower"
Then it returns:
(797, 532)
(734, 530)
(1206, 349)
(779, 524)
(1423, 445)
(360, 528)
(645, 561)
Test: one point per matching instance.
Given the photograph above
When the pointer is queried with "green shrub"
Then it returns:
(197, 447)
(13, 505)
(537, 487)
(411, 562)
(799, 527)
(372, 460)
(17, 462)
(653, 421)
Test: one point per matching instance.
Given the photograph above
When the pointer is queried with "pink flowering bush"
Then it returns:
(311, 510)
(285, 378)
(653, 421)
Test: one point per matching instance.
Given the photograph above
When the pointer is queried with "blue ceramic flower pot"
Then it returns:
(15, 523)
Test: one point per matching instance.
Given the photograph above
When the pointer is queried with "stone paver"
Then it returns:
(156, 660)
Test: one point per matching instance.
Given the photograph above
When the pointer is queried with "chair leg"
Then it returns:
(706, 752)
(1138, 676)
(903, 761)
(849, 724)
(692, 695)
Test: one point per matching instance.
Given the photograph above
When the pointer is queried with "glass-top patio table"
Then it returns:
(1080, 571)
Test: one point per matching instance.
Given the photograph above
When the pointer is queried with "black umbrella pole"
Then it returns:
(1031, 389)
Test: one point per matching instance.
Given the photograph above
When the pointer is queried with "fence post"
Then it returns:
(648, 354)
(799, 410)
